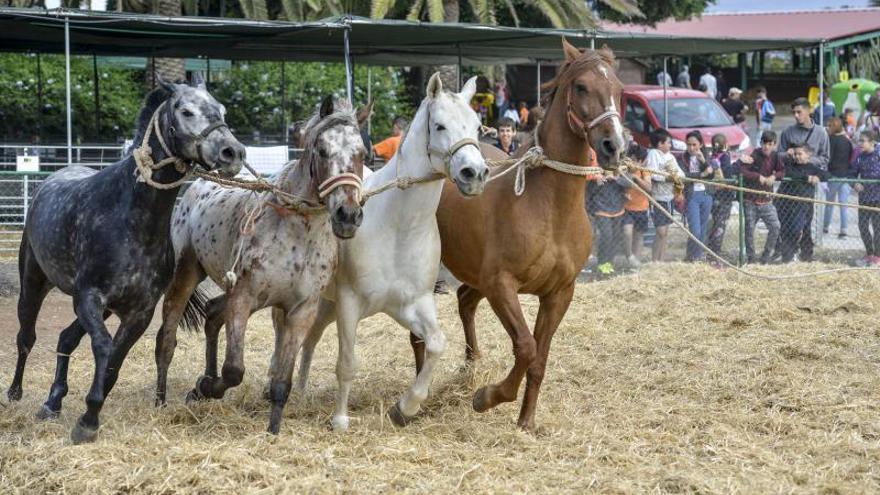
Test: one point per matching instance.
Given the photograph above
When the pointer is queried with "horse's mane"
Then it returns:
(588, 60)
(151, 102)
(343, 114)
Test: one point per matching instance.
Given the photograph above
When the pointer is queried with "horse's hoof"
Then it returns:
(46, 413)
(481, 401)
(160, 402)
(14, 394)
(397, 416)
(194, 396)
(339, 423)
(83, 434)
(267, 393)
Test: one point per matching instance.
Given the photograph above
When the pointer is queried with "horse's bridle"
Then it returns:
(577, 125)
(344, 179)
(198, 139)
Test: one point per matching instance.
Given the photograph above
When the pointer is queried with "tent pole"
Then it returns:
(458, 68)
(208, 70)
(349, 77)
(97, 96)
(283, 103)
(67, 88)
(39, 97)
(369, 99)
(538, 87)
(665, 101)
(821, 83)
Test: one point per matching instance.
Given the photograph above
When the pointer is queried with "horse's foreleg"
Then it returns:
(347, 317)
(68, 341)
(468, 300)
(187, 276)
(550, 313)
(326, 315)
(238, 311)
(505, 303)
(34, 287)
(289, 336)
(89, 305)
(421, 320)
(214, 320)
(130, 331)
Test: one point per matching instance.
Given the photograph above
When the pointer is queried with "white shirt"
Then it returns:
(512, 114)
(664, 75)
(662, 162)
(711, 84)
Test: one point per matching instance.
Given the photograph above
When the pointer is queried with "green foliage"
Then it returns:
(251, 93)
(120, 95)
(654, 11)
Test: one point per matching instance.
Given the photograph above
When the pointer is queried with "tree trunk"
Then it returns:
(449, 73)
(170, 69)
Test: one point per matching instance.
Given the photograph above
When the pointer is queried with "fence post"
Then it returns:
(25, 196)
(742, 221)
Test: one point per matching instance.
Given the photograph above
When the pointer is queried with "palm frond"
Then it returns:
(550, 9)
(512, 11)
(379, 9)
(415, 13)
(435, 10)
(629, 8)
(482, 10)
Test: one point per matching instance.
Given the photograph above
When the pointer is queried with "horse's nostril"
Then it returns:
(468, 173)
(227, 154)
(484, 174)
(608, 147)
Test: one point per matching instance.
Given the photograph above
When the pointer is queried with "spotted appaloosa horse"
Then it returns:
(535, 243)
(103, 237)
(285, 260)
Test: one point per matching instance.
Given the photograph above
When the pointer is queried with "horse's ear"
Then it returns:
(363, 113)
(326, 106)
(199, 81)
(571, 53)
(435, 86)
(167, 86)
(469, 89)
(608, 56)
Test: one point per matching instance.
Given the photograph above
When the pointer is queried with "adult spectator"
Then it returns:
(765, 112)
(664, 79)
(871, 118)
(635, 220)
(684, 78)
(662, 162)
(710, 82)
(867, 166)
(698, 199)
(388, 147)
(506, 131)
(828, 110)
(735, 106)
(512, 114)
(802, 176)
(723, 88)
(805, 133)
(523, 113)
(841, 150)
(760, 171)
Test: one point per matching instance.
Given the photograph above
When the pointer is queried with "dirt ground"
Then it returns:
(677, 379)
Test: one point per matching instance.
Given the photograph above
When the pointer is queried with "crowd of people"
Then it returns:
(839, 158)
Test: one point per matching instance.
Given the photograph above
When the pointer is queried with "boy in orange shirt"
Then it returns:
(635, 218)
(387, 148)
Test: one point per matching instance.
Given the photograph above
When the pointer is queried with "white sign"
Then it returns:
(27, 163)
(266, 160)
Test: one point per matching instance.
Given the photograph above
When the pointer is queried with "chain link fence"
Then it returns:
(741, 231)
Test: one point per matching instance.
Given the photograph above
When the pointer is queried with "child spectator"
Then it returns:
(849, 122)
(765, 112)
(387, 148)
(606, 197)
(760, 171)
(523, 113)
(662, 188)
(724, 169)
(841, 150)
(506, 131)
(511, 113)
(867, 166)
(802, 178)
(635, 220)
(698, 199)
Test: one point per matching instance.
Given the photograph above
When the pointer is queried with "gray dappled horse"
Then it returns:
(103, 237)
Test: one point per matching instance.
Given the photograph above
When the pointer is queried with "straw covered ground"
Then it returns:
(677, 379)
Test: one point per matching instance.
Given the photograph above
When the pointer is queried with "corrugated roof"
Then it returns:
(821, 24)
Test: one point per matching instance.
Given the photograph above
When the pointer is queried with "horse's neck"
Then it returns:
(157, 203)
(560, 143)
(297, 181)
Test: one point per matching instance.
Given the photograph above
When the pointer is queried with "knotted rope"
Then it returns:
(534, 158)
(143, 157)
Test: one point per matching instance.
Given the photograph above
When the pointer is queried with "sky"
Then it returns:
(720, 5)
(764, 5)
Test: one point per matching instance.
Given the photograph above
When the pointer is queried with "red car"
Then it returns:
(687, 110)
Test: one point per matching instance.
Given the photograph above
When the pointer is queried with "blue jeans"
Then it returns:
(839, 193)
(699, 206)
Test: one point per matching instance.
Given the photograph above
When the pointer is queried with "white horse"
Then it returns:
(280, 258)
(391, 265)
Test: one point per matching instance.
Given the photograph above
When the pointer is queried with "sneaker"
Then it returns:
(875, 260)
(825, 230)
(633, 261)
(841, 235)
(866, 261)
(605, 268)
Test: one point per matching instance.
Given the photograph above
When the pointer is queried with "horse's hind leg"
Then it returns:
(89, 305)
(289, 334)
(214, 320)
(237, 312)
(326, 315)
(187, 276)
(34, 287)
(468, 300)
(68, 341)
(421, 320)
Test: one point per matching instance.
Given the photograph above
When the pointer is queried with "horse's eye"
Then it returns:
(441, 127)
(322, 153)
(187, 113)
(581, 89)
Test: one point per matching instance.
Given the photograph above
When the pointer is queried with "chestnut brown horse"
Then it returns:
(537, 242)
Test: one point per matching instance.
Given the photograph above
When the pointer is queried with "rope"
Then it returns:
(143, 158)
(730, 265)
(534, 158)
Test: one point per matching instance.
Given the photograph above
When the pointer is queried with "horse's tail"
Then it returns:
(196, 311)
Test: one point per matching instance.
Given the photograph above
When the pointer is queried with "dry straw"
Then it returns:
(679, 379)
